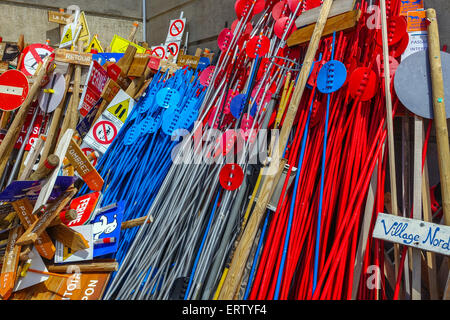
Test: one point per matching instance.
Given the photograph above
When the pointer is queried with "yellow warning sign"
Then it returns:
(95, 44)
(120, 45)
(120, 110)
(84, 33)
(67, 252)
(68, 37)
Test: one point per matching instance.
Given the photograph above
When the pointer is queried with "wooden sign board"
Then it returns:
(110, 90)
(84, 167)
(414, 233)
(58, 17)
(334, 24)
(35, 230)
(68, 56)
(4, 66)
(43, 244)
(79, 286)
(10, 263)
(191, 61)
(138, 65)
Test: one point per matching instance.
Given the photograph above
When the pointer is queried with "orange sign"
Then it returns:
(417, 21)
(79, 286)
(84, 167)
(410, 5)
(43, 244)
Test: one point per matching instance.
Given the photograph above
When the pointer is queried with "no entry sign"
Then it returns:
(105, 132)
(13, 90)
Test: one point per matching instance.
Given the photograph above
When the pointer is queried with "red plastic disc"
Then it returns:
(242, 7)
(206, 75)
(13, 90)
(313, 76)
(363, 84)
(293, 5)
(248, 29)
(231, 176)
(398, 49)
(224, 39)
(396, 31)
(393, 65)
(258, 45)
(281, 25)
(280, 10)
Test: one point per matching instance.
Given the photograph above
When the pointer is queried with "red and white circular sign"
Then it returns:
(172, 49)
(176, 28)
(160, 52)
(105, 132)
(13, 90)
(32, 55)
(87, 152)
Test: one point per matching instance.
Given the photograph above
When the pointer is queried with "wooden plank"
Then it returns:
(428, 216)
(339, 23)
(73, 57)
(10, 263)
(85, 267)
(139, 64)
(310, 16)
(59, 17)
(35, 230)
(47, 188)
(417, 206)
(43, 244)
(68, 237)
(84, 167)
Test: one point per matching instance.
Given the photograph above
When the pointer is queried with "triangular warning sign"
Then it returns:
(67, 36)
(120, 110)
(95, 44)
(84, 33)
(67, 252)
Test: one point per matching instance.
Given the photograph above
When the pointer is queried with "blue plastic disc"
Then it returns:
(203, 64)
(237, 105)
(167, 97)
(331, 76)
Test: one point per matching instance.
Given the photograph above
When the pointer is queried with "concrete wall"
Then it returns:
(104, 18)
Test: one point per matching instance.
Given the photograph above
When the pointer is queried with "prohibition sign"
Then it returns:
(104, 132)
(33, 55)
(176, 28)
(172, 49)
(159, 52)
(87, 152)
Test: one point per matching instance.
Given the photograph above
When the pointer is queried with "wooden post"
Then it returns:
(389, 122)
(237, 266)
(439, 111)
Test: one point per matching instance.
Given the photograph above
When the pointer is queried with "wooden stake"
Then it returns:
(389, 122)
(19, 119)
(45, 168)
(85, 267)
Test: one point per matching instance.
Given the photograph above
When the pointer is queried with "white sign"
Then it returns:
(176, 30)
(414, 233)
(173, 49)
(417, 42)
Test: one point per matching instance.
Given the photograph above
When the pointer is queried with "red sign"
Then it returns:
(36, 128)
(13, 90)
(32, 56)
(95, 85)
(105, 132)
(159, 52)
(89, 151)
(84, 206)
(176, 28)
(172, 49)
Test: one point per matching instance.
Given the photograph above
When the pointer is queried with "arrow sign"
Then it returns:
(13, 90)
